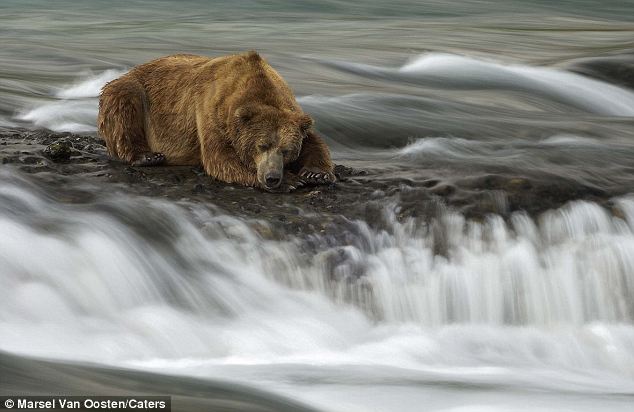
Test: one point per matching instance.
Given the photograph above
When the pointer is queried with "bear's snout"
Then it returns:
(270, 167)
(273, 179)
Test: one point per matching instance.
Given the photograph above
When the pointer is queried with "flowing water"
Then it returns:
(528, 313)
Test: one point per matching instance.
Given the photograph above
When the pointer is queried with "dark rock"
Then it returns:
(59, 151)
(357, 195)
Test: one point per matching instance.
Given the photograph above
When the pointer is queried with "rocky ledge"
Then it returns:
(68, 163)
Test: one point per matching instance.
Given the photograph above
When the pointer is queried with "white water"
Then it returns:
(531, 315)
(448, 71)
(74, 107)
(541, 306)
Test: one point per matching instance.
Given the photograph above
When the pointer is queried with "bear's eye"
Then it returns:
(285, 152)
(264, 147)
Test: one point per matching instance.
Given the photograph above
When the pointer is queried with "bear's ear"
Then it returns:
(244, 113)
(305, 122)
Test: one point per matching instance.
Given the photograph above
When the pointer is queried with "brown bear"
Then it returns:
(235, 115)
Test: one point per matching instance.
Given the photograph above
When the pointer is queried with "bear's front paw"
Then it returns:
(149, 159)
(290, 182)
(316, 176)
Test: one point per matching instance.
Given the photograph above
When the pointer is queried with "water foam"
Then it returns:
(74, 108)
(89, 87)
(184, 289)
(442, 70)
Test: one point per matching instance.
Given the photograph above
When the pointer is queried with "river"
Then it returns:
(526, 310)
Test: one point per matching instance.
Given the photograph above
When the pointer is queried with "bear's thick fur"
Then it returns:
(235, 115)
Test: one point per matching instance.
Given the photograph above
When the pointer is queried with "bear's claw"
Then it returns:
(149, 159)
(317, 177)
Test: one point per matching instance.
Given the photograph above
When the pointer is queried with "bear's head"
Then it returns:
(267, 139)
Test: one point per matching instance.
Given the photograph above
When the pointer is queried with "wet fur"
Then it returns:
(192, 110)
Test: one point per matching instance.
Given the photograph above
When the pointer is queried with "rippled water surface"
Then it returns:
(517, 312)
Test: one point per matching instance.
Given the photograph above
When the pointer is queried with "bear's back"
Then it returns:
(176, 76)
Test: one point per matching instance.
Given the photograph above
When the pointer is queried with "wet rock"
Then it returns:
(430, 183)
(494, 201)
(375, 198)
(60, 151)
(617, 212)
(444, 190)
(518, 184)
(344, 172)
(263, 230)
